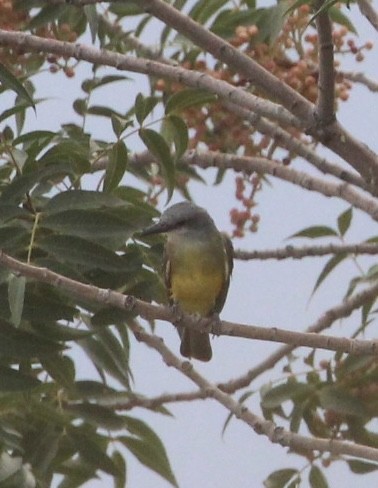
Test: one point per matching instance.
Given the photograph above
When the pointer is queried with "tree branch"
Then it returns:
(152, 312)
(303, 180)
(275, 434)
(358, 155)
(307, 251)
(330, 316)
(367, 9)
(326, 82)
(123, 62)
(358, 77)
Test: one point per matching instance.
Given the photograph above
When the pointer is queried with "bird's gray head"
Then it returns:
(180, 215)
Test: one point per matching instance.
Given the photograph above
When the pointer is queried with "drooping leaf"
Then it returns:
(90, 448)
(103, 360)
(61, 369)
(16, 295)
(339, 17)
(91, 14)
(22, 344)
(116, 166)
(12, 380)
(280, 478)
(344, 220)
(286, 391)
(148, 449)
(179, 134)
(317, 478)
(329, 266)
(341, 401)
(9, 81)
(120, 462)
(143, 107)
(184, 99)
(97, 415)
(160, 149)
(361, 467)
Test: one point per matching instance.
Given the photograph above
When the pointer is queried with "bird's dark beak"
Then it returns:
(158, 228)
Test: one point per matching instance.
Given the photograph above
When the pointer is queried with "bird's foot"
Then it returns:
(215, 324)
(177, 314)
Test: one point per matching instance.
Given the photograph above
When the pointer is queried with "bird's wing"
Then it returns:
(229, 265)
(167, 273)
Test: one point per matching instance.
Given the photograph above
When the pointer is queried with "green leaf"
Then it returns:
(60, 332)
(287, 391)
(8, 80)
(315, 231)
(160, 149)
(329, 266)
(178, 131)
(83, 200)
(89, 446)
(21, 344)
(317, 478)
(184, 99)
(13, 111)
(280, 478)
(341, 401)
(148, 449)
(16, 295)
(361, 467)
(61, 369)
(91, 224)
(93, 83)
(120, 478)
(97, 415)
(104, 361)
(91, 15)
(344, 220)
(275, 20)
(338, 17)
(12, 380)
(144, 106)
(76, 250)
(116, 166)
(204, 9)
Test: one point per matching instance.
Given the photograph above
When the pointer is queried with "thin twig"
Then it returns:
(264, 166)
(307, 251)
(367, 9)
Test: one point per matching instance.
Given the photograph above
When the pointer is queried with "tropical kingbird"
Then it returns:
(198, 262)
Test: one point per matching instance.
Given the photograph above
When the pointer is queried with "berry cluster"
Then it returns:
(293, 58)
(246, 189)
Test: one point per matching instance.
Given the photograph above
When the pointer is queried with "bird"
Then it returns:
(197, 267)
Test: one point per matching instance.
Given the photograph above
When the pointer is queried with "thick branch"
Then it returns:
(326, 82)
(335, 137)
(224, 90)
(151, 312)
(275, 434)
(307, 251)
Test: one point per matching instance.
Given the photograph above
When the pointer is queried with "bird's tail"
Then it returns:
(195, 344)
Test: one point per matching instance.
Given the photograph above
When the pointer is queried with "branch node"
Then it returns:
(129, 302)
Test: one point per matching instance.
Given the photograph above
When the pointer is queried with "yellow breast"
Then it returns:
(196, 276)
